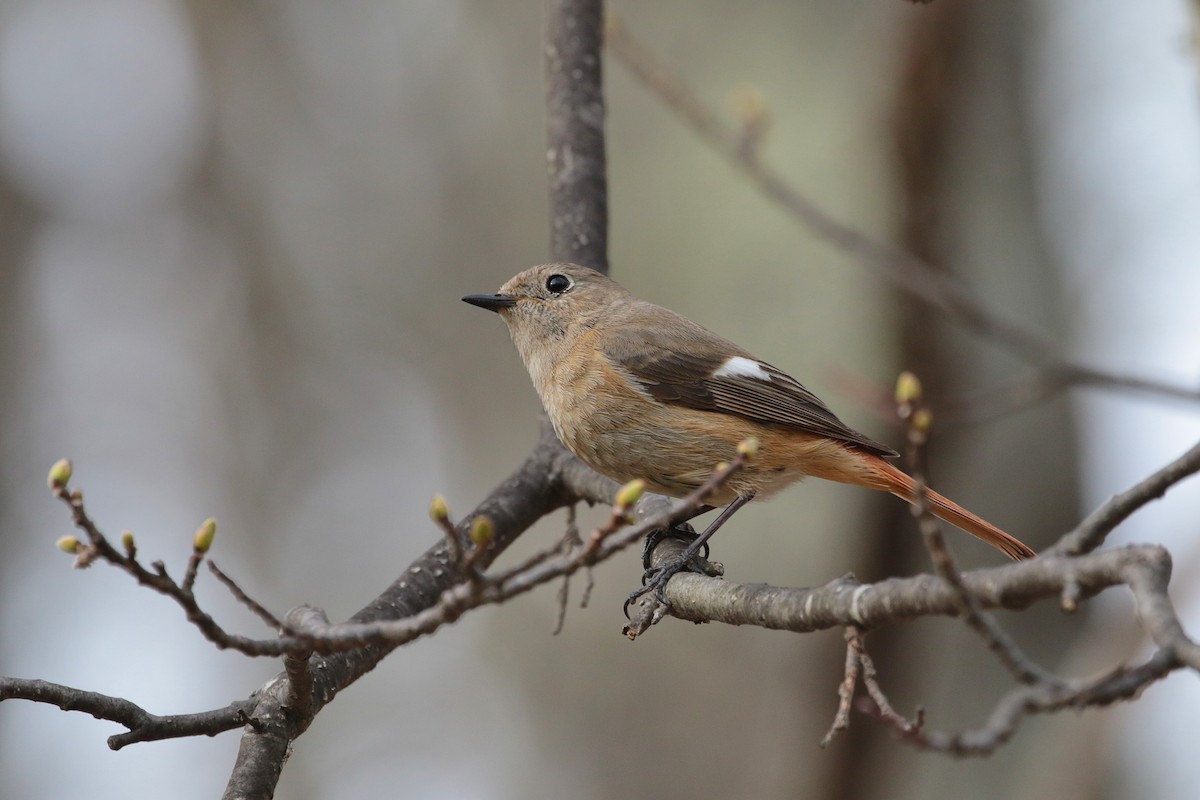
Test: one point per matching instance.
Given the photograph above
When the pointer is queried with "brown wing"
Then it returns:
(682, 363)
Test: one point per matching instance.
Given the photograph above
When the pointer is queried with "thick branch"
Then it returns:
(530, 493)
(541, 568)
(845, 601)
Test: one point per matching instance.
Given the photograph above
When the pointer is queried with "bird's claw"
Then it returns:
(682, 531)
(655, 579)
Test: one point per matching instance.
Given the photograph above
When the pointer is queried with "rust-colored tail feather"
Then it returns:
(902, 485)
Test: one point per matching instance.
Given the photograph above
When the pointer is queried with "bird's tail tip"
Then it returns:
(942, 507)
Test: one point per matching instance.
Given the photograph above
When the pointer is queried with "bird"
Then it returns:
(635, 390)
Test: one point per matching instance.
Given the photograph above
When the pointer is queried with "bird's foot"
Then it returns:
(683, 531)
(655, 578)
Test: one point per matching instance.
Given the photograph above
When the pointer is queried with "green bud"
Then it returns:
(127, 542)
(439, 512)
(204, 535)
(630, 493)
(908, 388)
(60, 474)
(923, 420)
(68, 544)
(482, 530)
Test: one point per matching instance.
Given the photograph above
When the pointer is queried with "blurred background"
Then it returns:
(233, 236)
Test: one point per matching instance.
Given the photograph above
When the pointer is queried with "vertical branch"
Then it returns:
(575, 133)
(579, 233)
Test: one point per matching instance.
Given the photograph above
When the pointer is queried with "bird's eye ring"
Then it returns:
(557, 284)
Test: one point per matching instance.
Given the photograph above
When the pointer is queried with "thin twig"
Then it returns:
(441, 517)
(249, 602)
(882, 704)
(1010, 712)
(902, 269)
(841, 720)
(604, 542)
(1091, 533)
(157, 578)
(189, 574)
(1000, 644)
(569, 542)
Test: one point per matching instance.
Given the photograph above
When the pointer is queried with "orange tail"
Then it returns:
(898, 483)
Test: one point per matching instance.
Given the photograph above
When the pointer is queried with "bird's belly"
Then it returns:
(674, 450)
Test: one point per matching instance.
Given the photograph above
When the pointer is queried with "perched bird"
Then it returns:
(637, 391)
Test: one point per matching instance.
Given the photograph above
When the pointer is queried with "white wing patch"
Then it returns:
(741, 367)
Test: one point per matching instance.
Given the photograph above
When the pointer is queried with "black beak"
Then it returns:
(492, 302)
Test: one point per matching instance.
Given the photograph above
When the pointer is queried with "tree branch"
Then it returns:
(143, 726)
(1144, 569)
(575, 133)
(532, 491)
(844, 601)
(434, 589)
(1091, 533)
(1121, 684)
(157, 578)
(903, 270)
(579, 232)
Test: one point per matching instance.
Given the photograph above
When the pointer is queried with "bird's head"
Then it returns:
(544, 304)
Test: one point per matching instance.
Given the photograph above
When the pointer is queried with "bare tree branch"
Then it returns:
(157, 578)
(1091, 533)
(1144, 569)
(845, 601)
(143, 726)
(575, 133)
(1121, 684)
(579, 232)
(1001, 645)
(532, 491)
(903, 270)
(841, 720)
(322, 659)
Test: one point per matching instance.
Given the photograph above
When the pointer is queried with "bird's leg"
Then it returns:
(655, 579)
(680, 530)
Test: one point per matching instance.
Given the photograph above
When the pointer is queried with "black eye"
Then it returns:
(557, 284)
